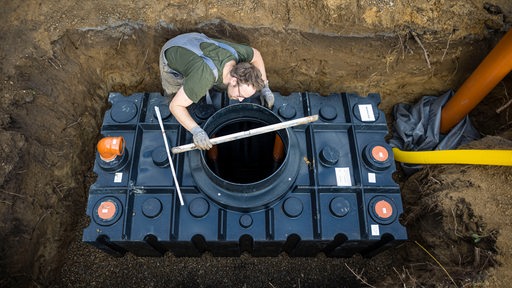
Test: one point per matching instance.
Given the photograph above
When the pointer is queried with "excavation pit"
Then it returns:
(56, 91)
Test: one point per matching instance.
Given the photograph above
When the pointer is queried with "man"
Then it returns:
(192, 63)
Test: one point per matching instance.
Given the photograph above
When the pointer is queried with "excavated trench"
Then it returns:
(66, 95)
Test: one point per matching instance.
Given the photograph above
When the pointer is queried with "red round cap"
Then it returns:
(383, 209)
(380, 153)
(107, 210)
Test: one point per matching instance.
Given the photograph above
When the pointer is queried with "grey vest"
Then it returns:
(192, 42)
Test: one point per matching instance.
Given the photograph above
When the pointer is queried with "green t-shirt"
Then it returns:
(199, 78)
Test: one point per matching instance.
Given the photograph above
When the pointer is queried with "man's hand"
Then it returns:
(201, 139)
(267, 96)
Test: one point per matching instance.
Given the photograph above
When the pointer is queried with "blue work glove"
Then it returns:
(267, 96)
(201, 139)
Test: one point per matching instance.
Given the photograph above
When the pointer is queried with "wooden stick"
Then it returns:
(248, 133)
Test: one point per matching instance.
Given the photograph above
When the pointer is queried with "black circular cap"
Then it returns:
(287, 111)
(339, 206)
(293, 207)
(123, 111)
(199, 207)
(204, 111)
(328, 113)
(164, 111)
(151, 207)
(115, 165)
(329, 156)
(367, 109)
(159, 156)
(246, 220)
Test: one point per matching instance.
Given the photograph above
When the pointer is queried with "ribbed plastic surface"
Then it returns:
(332, 191)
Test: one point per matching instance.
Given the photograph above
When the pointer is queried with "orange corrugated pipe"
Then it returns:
(490, 72)
(110, 147)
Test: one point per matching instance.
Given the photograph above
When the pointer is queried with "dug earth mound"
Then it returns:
(60, 60)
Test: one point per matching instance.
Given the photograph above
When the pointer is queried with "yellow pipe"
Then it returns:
(477, 157)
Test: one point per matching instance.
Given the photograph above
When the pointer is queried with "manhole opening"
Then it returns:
(246, 160)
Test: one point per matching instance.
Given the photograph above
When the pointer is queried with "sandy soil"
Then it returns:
(61, 59)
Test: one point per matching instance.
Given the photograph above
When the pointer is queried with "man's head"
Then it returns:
(246, 80)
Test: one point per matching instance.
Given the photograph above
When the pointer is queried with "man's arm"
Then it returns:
(178, 107)
(266, 94)
(257, 60)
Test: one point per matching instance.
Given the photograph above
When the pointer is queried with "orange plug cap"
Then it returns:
(110, 147)
(380, 153)
(383, 209)
(107, 210)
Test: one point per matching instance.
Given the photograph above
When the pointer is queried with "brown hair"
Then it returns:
(248, 74)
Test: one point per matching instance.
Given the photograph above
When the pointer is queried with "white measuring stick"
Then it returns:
(248, 133)
(157, 110)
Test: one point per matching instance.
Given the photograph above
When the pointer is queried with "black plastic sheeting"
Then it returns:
(417, 127)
